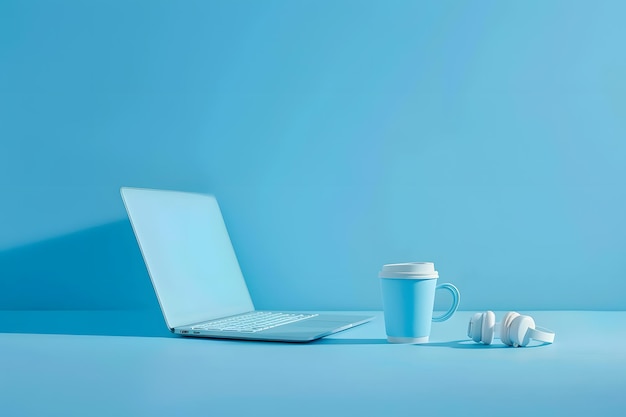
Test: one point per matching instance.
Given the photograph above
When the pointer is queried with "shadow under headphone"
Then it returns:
(515, 329)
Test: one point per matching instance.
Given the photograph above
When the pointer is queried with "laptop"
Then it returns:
(196, 276)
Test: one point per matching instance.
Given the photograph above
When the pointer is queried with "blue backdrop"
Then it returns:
(487, 137)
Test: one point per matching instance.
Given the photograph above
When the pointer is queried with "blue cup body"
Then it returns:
(408, 307)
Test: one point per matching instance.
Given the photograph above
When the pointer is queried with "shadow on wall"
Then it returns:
(137, 323)
(99, 268)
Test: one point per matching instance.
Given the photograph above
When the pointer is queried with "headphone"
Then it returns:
(514, 330)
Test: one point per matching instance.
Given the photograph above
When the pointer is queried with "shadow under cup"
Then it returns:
(408, 306)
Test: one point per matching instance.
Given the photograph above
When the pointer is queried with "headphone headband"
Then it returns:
(541, 334)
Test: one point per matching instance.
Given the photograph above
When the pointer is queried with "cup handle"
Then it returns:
(456, 297)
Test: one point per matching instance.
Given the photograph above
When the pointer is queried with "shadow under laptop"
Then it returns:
(330, 341)
(457, 344)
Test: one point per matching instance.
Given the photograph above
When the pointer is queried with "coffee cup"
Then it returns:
(408, 291)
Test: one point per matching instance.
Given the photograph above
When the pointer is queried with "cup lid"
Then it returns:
(419, 270)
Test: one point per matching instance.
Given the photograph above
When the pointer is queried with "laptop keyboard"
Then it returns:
(253, 322)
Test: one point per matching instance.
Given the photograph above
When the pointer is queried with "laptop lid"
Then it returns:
(188, 254)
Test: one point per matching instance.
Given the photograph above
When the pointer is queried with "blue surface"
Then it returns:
(116, 370)
(337, 135)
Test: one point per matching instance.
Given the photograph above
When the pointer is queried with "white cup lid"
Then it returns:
(419, 270)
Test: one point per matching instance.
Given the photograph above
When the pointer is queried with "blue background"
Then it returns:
(487, 137)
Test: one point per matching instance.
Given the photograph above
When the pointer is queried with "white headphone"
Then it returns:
(514, 330)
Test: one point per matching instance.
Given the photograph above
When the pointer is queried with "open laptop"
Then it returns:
(196, 276)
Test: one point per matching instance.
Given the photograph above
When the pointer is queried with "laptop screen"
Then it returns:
(189, 255)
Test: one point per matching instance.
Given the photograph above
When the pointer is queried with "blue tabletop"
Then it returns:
(127, 363)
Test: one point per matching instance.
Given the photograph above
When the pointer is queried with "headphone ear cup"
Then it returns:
(506, 326)
(474, 328)
(481, 327)
(489, 327)
(518, 331)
